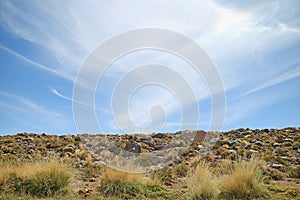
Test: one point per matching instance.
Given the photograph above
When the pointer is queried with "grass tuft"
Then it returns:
(201, 183)
(42, 179)
(245, 180)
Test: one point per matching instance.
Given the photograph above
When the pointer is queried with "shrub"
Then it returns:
(201, 183)
(126, 185)
(166, 175)
(42, 179)
(119, 184)
(295, 172)
(245, 180)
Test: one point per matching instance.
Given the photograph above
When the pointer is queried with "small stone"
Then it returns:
(30, 151)
(158, 135)
(247, 146)
(276, 144)
(231, 151)
(68, 149)
(232, 141)
(276, 165)
(259, 143)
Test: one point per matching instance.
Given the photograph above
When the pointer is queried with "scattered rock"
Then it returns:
(68, 149)
(133, 147)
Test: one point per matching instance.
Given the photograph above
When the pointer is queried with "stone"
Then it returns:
(159, 146)
(231, 151)
(200, 136)
(30, 151)
(149, 142)
(247, 146)
(276, 144)
(133, 147)
(232, 141)
(259, 143)
(68, 149)
(158, 135)
(276, 165)
(114, 149)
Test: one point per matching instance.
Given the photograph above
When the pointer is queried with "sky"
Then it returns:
(254, 45)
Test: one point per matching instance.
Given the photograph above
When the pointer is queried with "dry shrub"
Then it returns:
(41, 178)
(245, 180)
(201, 183)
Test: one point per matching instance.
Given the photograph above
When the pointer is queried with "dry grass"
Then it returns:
(201, 183)
(245, 180)
(112, 175)
(40, 178)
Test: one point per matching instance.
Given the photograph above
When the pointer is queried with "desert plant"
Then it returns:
(166, 175)
(126, 185)
(119, 184)
(42, 178)
(245, 180)
(201, 183)
(295, 172)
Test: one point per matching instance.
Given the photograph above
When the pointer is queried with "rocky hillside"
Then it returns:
(169, 155)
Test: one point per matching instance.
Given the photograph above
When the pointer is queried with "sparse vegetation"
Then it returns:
(34, 166)
(126, 185)
(201, 183)
(42, 178)
(295, 172)
(245, 180)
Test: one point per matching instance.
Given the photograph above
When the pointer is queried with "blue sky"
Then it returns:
(255, 46)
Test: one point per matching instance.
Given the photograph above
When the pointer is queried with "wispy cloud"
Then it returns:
(25, 104)
(37, 65)
(240, 37)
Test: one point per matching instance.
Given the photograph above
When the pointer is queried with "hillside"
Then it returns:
(167, 161)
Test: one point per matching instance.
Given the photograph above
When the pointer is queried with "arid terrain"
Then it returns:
(238, 164)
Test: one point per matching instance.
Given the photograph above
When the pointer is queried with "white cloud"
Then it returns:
(239, 37)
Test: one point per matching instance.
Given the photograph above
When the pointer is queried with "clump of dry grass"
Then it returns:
(244, 181)
(112, 175)
(41, 178)
(119, 184)
(201, 183)
(127, 185)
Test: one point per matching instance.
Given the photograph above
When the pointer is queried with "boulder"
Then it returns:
(133, 147)
(200, 136)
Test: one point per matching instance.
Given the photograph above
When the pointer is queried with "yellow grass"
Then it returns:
(201, 183)
(245, 180)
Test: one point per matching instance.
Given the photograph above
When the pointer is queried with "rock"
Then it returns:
(158, 135)
(232, 141)
(30, 151)
(68, 149)
(253, 151)
(200, 136)
(276, 144)
(247, 146)
(149, 142)
(237, 147)
(276, 165)
(159, 146)
(259, 143)
(133, 147)
(114, 149)
(231, 151)
(289, 140)
(240, 134)
(77, 139)
(177, 143)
